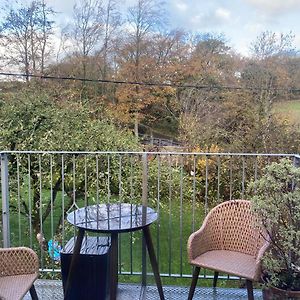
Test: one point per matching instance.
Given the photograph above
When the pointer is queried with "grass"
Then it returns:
(289, 110)
(170, 233)
(169, 240)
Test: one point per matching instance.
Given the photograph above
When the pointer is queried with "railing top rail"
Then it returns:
(153, 153)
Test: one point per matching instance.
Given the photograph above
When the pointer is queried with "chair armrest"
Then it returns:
(199, 242)
(259, 257)
(18, 261)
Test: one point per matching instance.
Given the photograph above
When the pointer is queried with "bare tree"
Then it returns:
(269, 44)
(25, 34)
(112, 21)
(46, 31)
(86, 29)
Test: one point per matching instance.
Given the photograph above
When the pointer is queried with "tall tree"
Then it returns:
(160, 61)
(26, 32)
(112, 21)
(145, 17)
(86, 29)
(267, 74)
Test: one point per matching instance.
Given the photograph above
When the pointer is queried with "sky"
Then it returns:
(241, 21)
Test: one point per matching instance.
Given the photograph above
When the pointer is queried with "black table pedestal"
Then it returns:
(114, 219)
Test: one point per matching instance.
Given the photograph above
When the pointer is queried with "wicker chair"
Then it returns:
(228, 242)
(18, 270)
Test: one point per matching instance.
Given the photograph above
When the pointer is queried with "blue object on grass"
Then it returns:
(54, 250)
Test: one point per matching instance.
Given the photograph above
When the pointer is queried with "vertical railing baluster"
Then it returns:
(63, 197)
(131, 199)
(29, 199)
(5, 200)
(219, 178)
(120, 212)
(74, 181)
(158, 208)
(206, 195)
(108, 179)
(296, 163)
(206, 185)
(243, 177)
(145, 204)
(145, 180)
(85, 182)
(74, 192)
(51, 204)
(230, 178)
(41, 208)
(19, 199)
(97, 187)
(86, 189)
(181, 213)
(255, 172)
(194, 193)
(170, 217)
(97, 182)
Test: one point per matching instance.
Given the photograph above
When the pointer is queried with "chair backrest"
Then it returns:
(233, 226)
(17, 261)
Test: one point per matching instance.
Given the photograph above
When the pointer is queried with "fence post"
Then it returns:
(5, 201)
(145, 204)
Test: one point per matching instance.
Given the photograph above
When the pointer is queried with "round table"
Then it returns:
(114, 219)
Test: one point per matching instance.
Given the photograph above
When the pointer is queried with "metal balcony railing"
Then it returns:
(39, 188)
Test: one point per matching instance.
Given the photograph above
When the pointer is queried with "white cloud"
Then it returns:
(181, 6)
(218, 17)
(275, 7)
(223, 14)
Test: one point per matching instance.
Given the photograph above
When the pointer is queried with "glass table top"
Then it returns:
(119, 217)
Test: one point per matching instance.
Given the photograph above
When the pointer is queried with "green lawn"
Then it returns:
(172, 256)
(289, 110)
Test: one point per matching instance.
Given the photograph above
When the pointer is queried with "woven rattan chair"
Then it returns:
(229, 241)
(18, 270)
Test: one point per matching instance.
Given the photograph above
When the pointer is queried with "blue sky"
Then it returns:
(240, 20)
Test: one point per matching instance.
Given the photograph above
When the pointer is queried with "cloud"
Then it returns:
(214, 18)
(181, 6)
(275, 7)
(222, 14)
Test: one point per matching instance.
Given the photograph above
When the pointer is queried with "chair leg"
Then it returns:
(249, 285)
(215, 279)
(33, 293)
(194, 282)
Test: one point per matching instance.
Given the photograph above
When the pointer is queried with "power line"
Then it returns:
(208, 87)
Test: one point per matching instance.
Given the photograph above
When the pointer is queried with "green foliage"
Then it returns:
(31, 120)
(277, 202)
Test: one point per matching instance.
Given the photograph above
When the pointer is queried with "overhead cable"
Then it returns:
(158, 84)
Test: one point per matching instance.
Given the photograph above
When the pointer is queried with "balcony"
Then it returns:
(40, 188)
(49, 289)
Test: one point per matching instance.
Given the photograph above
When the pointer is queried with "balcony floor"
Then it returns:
(52, 289)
